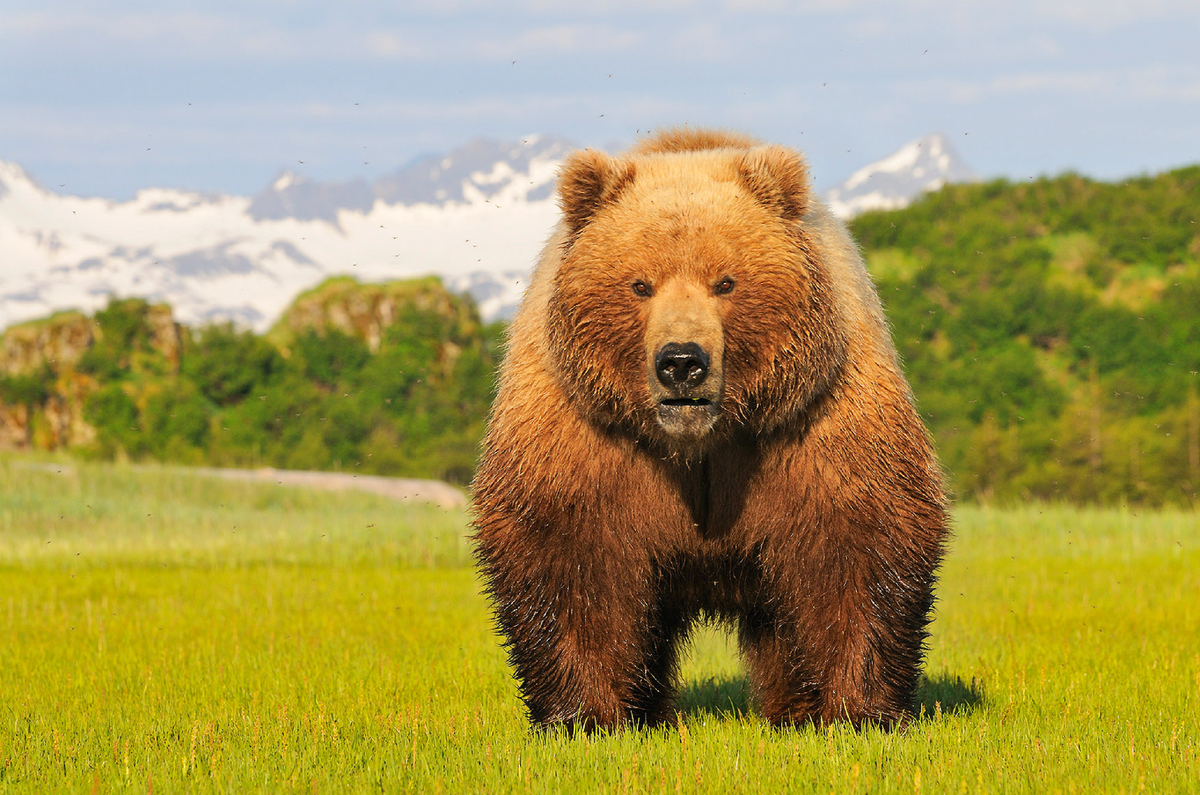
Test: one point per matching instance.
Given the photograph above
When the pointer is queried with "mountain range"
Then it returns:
(475, 216)
(893, 182)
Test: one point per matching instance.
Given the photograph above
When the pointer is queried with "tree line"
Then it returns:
(314, 398)
(1050, 330)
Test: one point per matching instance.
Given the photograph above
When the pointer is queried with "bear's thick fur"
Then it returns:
(701, 414)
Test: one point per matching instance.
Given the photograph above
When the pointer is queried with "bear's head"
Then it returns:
(690, 301)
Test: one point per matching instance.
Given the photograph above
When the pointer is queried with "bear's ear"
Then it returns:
(778, 178)
(587, 181)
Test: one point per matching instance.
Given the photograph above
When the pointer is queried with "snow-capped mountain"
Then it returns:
(475, 216)
(893, 182)
(481, 171)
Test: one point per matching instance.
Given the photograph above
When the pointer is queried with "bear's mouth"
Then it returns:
(688, 401)
(687, 417)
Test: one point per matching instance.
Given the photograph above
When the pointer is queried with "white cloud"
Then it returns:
(1133, 83)
(602, 7)
(87, 81)
(1107, 15)
(389, 44)
(212, 36)
(117, 27)
(560, 40)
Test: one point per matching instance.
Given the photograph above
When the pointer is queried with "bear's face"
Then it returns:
(689, 302)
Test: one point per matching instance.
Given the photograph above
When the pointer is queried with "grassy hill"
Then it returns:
(1051, 330)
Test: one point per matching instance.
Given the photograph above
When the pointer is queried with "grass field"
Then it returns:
(165, 632)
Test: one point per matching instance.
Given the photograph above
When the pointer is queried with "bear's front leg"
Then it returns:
(843, 639)
(585, 650)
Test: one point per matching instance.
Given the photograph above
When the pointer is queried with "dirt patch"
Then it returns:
(435, 491)
(399, 489)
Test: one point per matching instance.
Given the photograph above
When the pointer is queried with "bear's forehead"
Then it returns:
(691, 179)
(685, 212)
(694, 197)
(685, 195)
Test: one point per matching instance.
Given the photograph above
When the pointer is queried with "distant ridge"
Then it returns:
(475, 216)
(481, 170)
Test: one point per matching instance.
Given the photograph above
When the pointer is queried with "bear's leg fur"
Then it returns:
(844, 636)
(589, 648)
(781, 679)
(653, 692)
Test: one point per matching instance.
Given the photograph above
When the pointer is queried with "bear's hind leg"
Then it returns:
(653, 692)
(781, 679)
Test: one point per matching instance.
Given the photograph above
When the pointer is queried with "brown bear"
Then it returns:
(701, 415)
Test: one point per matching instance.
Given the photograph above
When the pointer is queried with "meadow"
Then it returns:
(165, 632)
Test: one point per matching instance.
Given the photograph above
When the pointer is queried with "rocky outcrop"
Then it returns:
(166, 336)
(49, 368)
(43, 385)
(14, 427)
(366, 311)
(58, 341)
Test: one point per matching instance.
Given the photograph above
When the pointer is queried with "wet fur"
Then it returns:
(811, 517)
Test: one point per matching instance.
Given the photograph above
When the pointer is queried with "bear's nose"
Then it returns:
(681, 364)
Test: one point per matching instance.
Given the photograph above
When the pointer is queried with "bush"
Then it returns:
(227, 365)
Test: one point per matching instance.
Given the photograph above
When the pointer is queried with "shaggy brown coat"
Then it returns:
(793, 492)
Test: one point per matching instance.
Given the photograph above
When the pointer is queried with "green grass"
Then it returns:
(336, 641)
(55, 513)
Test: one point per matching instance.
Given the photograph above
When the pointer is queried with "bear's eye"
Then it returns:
(724, 286)
(641, 288)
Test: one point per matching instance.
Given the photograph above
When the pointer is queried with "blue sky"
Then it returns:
(105, 98)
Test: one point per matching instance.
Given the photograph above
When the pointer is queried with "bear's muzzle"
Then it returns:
(688, 400)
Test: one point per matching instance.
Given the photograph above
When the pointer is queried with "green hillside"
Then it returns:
(388, 379)
(1051, 331)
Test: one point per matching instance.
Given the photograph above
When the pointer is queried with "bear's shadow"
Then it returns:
(720, 697)
(729, 697)
(943, 694)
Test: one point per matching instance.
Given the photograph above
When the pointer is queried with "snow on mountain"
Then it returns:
(475, 216)
(481, 171)
(895, 181)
